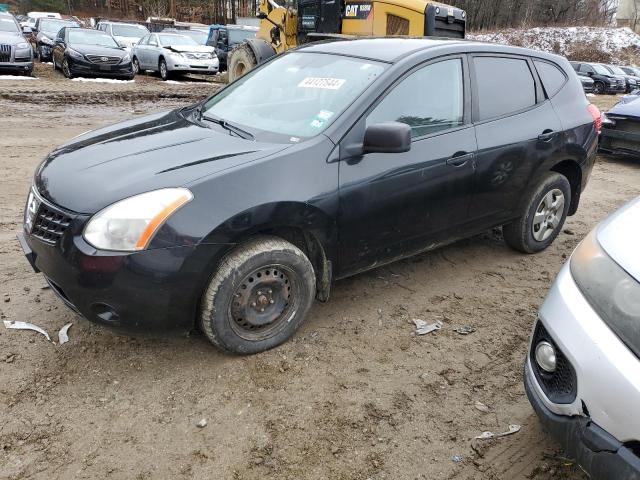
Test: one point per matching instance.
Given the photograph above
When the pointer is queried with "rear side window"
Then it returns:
(505, 85)
(552, 77)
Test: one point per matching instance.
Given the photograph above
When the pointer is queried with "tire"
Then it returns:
(240, 60)
(599, 88)
(258, 297)
(65, 69)
(163, 70)
(135, 65)
(543, 216)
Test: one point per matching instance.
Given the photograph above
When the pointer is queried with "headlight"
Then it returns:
(126, 59)
(213, 55)
(22, 45)
(46, 40)
(130, 224)
(73, 54)
(176, 54)
(606, 120)
(611, 291)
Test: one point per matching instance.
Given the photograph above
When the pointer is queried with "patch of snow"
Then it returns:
(101, 80)
(47, 63)
(16, 77)
(561, 40)
(591, 95)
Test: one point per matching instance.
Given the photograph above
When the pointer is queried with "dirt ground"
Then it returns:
(355, 395)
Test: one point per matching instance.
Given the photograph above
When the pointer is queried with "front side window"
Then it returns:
(429, 100)
(307, 92)
(504, 86)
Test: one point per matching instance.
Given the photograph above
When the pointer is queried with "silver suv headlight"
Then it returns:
(611, 291)
(22, 45)
(130, 224)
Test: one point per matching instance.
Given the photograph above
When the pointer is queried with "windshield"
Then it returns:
(601, 69)
(239, 36)
(616, 70)
(92, 37)
(167, 40)
(307, 92)
(199, 37)
(135, 31)
(8, 25)
(54, 26)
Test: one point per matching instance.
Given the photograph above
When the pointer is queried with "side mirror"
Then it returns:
(27, 30)
(590, 74)
(387, 137)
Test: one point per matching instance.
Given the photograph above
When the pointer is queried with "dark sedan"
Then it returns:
(621, 127)
(45, 33)
(81, 51)
(235, 213)
(588, 85)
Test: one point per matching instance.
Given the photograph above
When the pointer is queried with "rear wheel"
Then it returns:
(258, 297)
(241, 59)
(543, 216)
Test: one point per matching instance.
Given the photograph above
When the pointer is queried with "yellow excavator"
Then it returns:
(297, 22)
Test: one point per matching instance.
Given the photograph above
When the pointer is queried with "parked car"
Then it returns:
(588, 85)
(199, 36)
(168, 53)
(84, 51)
(581, 373)
(604, 80)
(632, 81)
(631, 70)
(126, 34)
(235, 212)
(225, 37)
(45, 34)
(621, 128)
(15, 50)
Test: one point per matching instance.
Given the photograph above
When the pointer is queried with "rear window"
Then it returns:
(505, 86)
(552, 77)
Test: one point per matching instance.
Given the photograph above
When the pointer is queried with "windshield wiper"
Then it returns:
(228, 126)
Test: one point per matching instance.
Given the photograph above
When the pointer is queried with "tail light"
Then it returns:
(597, 118)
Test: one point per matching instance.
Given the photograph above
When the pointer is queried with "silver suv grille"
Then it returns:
(5, 53)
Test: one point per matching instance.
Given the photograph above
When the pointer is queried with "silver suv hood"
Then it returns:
(619, 236)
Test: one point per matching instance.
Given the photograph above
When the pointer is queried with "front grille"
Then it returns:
(23, 59)
(198, 56)
(103, 60)
(560, 386)
(5, 53)
(50, 224)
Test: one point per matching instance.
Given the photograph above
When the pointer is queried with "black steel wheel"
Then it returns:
(258, 297)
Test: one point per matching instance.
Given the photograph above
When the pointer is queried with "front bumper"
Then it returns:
(190, 65)
(150, 290)
(17, 66)
(45, 51)
(622, 137)
(616, 88)
(595, 450)
(82, 67)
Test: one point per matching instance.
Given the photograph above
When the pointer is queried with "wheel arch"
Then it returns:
(573, 173)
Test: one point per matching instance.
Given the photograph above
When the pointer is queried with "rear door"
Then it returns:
(395, 204)
(516, 128)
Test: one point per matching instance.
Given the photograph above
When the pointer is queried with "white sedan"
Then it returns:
(582, 374)
(169, 53)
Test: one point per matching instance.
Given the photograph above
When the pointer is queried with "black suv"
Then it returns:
(233, 214)
(225, 38)
(604, 80)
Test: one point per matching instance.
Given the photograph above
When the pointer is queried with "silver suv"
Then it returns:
(15, 51)
(582, 374)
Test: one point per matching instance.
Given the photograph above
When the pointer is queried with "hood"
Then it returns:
(163, 150)
(41, 34)
(191, 48)
(126, 41)
(98, 50)
(618, 235)
(625, 108)
(11, 38)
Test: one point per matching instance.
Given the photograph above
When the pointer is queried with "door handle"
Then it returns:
(459, 159)
(546, 136)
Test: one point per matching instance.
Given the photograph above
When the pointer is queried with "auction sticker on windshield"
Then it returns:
(320, 82)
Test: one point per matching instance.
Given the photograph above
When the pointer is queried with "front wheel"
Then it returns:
(543, 217)
(135, 65)
(240, 60)
(162, 68)
(65, 69)
(599, 86)
(258, 297)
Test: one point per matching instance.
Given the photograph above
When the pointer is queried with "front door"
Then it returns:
(396, 204)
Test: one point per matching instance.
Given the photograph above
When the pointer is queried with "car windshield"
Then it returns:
(8, 25)
(307, 92)
(167, 40)
(54, 26)
(199, 37)
(92, 37)
(616, 70)
(601, 69)
(239, 36)
(135, 31)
